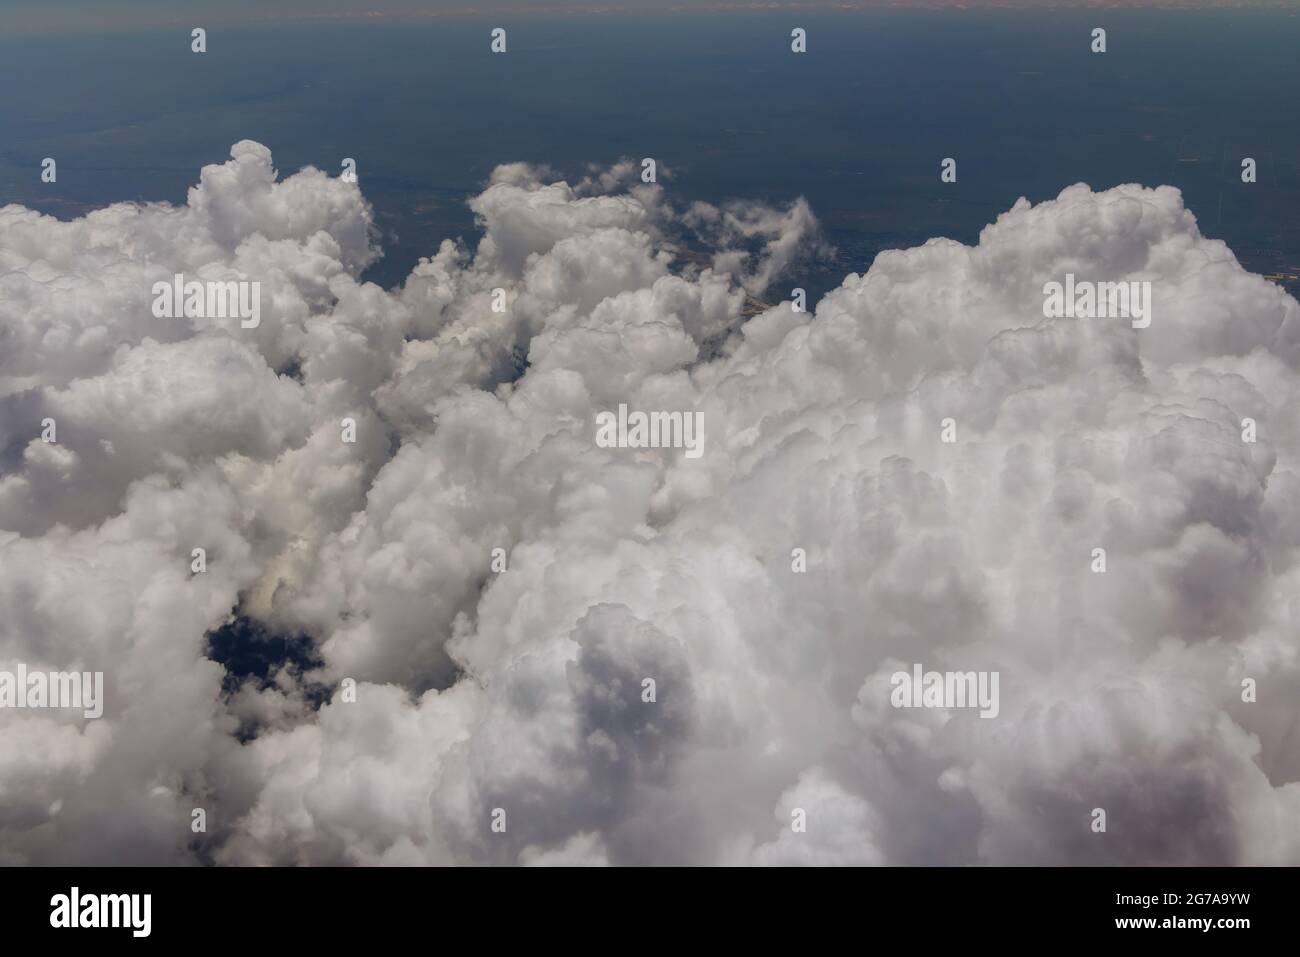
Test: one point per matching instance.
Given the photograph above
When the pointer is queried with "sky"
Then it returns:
(92, 15)
(427, 595)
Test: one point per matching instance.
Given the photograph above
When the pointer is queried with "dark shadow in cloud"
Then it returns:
(250, 652)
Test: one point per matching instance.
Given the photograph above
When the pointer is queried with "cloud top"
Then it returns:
(487, 589)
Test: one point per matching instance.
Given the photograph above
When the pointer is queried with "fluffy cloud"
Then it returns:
(495, 588)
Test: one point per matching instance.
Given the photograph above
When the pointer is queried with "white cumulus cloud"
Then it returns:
(522, 690)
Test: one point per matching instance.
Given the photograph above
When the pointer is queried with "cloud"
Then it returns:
(494, 588)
